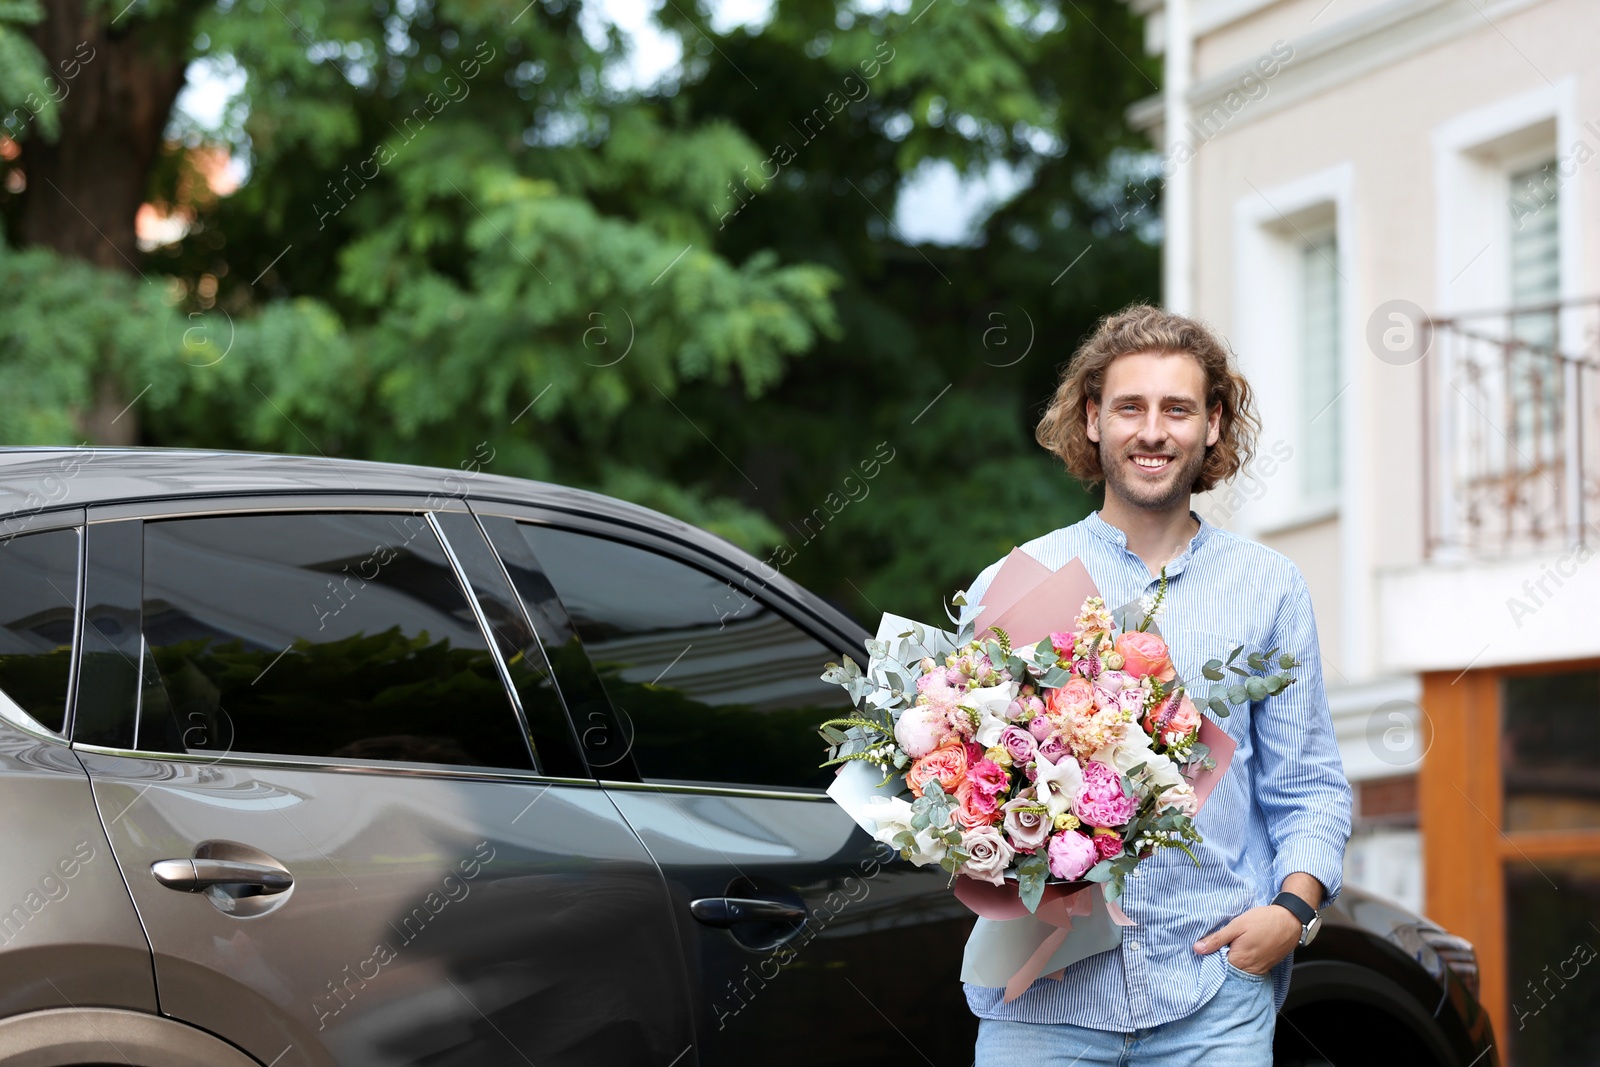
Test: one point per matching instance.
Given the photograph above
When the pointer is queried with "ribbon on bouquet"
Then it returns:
(1060, 904)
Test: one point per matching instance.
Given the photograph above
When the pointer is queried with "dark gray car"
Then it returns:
(314, 762)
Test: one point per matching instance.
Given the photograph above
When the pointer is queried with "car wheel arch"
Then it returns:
(1324, 982)
(70, 1037)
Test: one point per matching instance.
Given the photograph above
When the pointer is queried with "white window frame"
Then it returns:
(1474, 155)
(1270, 228)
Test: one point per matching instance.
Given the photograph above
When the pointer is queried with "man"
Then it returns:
(1152, 405)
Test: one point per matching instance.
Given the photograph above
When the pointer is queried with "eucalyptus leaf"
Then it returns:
(1274, 683)
(1237, 694)
(1256, 688)
(1287, 661)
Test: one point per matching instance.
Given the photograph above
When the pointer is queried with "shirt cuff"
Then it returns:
(1322, 860)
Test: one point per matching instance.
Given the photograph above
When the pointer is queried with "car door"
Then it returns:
(68, 932)
(702, 696)
(347, 801)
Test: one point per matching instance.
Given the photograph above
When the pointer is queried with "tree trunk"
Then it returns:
(120, 74)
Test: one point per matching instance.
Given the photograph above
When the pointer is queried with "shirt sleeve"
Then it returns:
(1300, 782)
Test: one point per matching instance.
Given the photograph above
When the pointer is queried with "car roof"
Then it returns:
(40, 480)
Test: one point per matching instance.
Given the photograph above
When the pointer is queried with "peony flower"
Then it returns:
(1181, 797)
(1108, 844)
(1026, 823)
(1145, 655)
(1071, 854)
(1040, 727)
(947, 764)
(1064, 642)
(1019, 742)
(1101, 801)
(921, 729)
(988, 854)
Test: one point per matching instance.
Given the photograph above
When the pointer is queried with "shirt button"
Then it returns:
(1133, 946)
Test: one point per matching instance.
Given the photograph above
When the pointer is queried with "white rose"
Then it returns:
(929, 849)
(891, 815)
(1181, 797)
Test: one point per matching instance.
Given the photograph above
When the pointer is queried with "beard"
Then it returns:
(1124, 479)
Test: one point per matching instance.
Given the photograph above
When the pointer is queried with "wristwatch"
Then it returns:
(1310, 918)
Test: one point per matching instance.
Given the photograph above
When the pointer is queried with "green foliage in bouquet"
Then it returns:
(1253, 686)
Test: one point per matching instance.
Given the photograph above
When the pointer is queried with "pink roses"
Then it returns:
(1145, 655)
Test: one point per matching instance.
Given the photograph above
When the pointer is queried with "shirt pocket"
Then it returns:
(1191, 650)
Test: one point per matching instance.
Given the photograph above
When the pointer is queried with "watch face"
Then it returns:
(1311, 930)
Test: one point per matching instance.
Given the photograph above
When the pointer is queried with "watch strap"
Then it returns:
(1297, 906)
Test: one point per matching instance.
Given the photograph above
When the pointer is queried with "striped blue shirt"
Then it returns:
(1283, 805)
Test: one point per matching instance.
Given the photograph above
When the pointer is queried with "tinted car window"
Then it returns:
(328, 635)
(38, 597)
(711, 684)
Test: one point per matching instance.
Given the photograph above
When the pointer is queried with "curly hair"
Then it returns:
(1141, 328)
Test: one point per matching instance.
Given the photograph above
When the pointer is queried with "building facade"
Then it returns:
(1392, 210)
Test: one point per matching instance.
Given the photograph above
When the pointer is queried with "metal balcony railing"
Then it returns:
(1511, 416)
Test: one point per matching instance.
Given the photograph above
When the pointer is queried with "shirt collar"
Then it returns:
(1107, 532)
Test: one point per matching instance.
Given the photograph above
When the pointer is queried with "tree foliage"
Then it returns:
(458, 226)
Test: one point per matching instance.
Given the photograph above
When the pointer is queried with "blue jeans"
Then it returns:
(1234, 1028)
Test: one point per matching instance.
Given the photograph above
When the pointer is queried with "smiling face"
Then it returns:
(1152, 428)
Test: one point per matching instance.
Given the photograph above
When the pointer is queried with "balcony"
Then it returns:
(1511, 416)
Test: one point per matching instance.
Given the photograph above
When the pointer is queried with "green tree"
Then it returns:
(458, 228)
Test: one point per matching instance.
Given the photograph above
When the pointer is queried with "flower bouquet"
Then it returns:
(1058, 763)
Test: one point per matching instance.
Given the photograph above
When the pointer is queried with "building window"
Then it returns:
(1319, 366)
(1534, 371)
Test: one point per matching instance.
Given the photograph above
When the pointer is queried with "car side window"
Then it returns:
(710, 684)
(38, 600)
(333, 635)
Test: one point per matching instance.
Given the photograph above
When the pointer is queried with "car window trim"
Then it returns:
(715, 789)
(792, 609)
(69, 518)
(493, 645)
(304, 503)
(694, 557)
(190, 507)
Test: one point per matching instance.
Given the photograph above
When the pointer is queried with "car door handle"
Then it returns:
(193, 875)
(726, 911)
